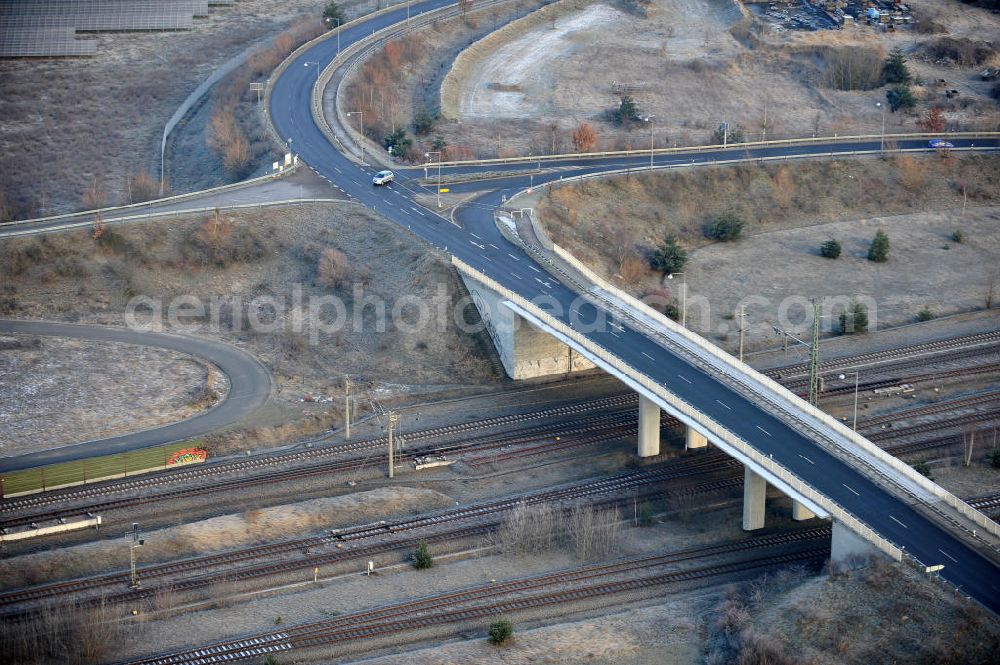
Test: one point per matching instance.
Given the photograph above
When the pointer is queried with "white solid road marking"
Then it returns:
(947, 555)
(851, 488)
(898, 522)
(763, 430)
(648, 356)
(806, 458)
(724, 404)
(684, 377)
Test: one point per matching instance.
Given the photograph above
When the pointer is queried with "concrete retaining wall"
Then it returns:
(525, 351)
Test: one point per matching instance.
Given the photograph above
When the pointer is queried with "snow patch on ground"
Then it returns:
(512, 82)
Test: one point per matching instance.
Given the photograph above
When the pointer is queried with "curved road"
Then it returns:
(249, 388)
(475, 240)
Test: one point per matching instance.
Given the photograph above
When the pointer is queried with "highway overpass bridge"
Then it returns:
(825, 468)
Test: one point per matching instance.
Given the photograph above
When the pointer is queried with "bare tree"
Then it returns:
(94, 199)
(620, 242)
(527, 530)
(332, 267)
(215, 234)
(968, 444)
(584, 137)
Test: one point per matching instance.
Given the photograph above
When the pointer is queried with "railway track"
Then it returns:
(916, 379)
(901, 449)
(931, 409)
(481, 601)
(961, 421)
(257, 471)
(586, 431)
(936, 351)
(989, 504)
(256, 557)
(208, 471)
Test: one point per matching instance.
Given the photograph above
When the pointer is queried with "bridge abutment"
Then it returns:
(754, 497)
(845, 545)
(524, 351)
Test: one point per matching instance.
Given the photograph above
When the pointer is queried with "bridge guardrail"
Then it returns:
(166, 199)
(731, 146)
(720, 433)
(166, 213)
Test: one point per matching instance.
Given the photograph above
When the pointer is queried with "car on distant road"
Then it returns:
(939, 143)
(383, 178)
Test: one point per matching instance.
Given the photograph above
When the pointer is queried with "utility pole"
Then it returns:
(742, 315)
(815, 380)
(393, 421)
(347, 408)
(133, 543)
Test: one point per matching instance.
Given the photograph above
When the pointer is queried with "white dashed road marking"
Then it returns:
(724, 404)
(763, 430)
(806, 458)
(948, 555)
(898, 522)
(684, 378)
(852, 489)
(648, 356)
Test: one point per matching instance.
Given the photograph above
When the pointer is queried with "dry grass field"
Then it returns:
(789, 211)
(68, 121)
(694, 64)
(48, 401)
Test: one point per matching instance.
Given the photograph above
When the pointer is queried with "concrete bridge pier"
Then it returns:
(649, 427)
(694, 439)
(800, 513)
(754, 496)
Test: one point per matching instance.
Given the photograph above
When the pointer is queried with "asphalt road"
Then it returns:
(476, 241)
(249, 381)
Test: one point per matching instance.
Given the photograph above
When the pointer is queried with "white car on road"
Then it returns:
(383, 178)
